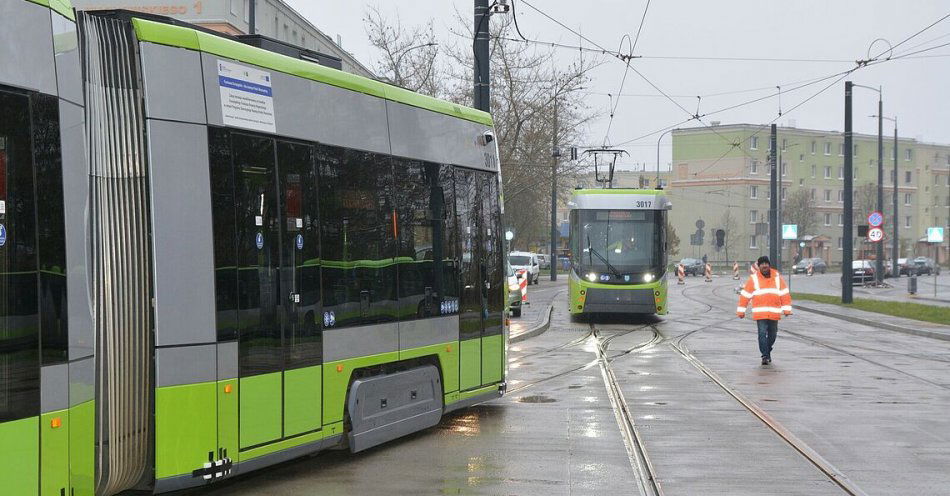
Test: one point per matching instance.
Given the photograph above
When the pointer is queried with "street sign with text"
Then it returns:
(875, 234)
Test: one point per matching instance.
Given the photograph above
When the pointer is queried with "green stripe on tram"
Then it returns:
(183, 37)
(62, 7)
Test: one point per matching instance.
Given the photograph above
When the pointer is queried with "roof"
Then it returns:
(195, 39)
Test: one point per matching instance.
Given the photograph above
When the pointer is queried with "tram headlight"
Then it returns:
(648, 277)
(591, 276)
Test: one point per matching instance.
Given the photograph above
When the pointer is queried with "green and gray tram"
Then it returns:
(214, 257)
(618, 251)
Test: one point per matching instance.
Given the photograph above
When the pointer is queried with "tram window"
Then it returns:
(492, 258)
(223, 232)
(426, 254)
(300, 253)
(357, 239)
(51, 235)
(257, 232)
(19, 322)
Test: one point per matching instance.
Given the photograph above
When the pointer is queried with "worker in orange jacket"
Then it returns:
(767, 292)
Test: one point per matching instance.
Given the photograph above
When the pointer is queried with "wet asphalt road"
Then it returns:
(870, 405)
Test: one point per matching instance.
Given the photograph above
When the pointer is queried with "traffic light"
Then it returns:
(720, 238)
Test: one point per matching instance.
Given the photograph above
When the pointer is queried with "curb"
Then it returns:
(880, 325)
(538, 329)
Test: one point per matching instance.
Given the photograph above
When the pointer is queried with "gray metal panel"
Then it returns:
(82, 381)
(66, 48)
(227, 360)
(312, 111)
(426, 135)
(76, 217)
(424, 332)
(181, 233)
(185, 365)
(54, 388)
(350, 342)
(26, 46)
(173, 86)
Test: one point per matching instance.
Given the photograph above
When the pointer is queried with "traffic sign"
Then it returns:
(875, 234)
(876, 219)
(789, 231)
(935, 235)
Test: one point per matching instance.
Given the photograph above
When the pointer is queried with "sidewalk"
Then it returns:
(881, 321)
(536, 316)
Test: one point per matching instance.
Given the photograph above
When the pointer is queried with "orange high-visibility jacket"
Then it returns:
(769, 297)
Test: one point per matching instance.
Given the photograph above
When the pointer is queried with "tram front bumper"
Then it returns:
(619, 301)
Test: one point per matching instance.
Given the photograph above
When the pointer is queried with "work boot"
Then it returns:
(768, 360)
(765, 361)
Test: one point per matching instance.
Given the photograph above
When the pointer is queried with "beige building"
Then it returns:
(720, 180)
(274, 19)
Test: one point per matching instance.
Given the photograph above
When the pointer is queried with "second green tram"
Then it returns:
(618, 244)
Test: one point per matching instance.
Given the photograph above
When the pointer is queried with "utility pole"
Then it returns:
(482, 74)
(252, 17)
(847, 256)
(774, 229)
(896, 241)
(555, 154)
(879, 265)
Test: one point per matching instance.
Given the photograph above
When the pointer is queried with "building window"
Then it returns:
(840, 149)
(754, 143)
(827, 219)
(840, 219)
(754, 167)
(908, 154)
(855, 150)
(801, 182)
(907, 176)
(784, 194)
(814, 147)
(827, 196)
(784, 144)
(907, 222)
(827, 148)
(752, 243)
(784, 168)
(893, 176)
(754, 192)
(840, 172)
(753, 216)
(801, 157)
(814, 169)
(840, 196)
(840, 243)
(827, 172)
(812, 195)
(907, 198)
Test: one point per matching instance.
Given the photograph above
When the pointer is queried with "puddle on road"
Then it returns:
(537, 398)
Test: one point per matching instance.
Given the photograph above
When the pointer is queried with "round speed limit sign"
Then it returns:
(875, 234)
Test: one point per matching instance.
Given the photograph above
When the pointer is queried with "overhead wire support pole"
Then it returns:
(555, 154)
(896, 242)
(774, 228)
(847, 242)
(482, 90)
(879, 266)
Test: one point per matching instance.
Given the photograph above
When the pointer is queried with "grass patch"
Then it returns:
(915, 311)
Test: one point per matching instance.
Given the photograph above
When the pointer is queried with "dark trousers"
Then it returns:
(768, 330)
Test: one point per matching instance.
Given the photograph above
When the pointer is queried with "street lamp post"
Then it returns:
(879, 252)
(668, 131)
(895, 243)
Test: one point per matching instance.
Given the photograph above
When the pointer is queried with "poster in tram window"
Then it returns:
(247, 98)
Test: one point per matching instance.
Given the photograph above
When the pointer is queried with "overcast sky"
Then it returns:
(914, 89)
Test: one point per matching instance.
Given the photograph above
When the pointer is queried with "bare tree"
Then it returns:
(672, 239)
(865, 202)
(730, 225)
(408, 57)
(800, 209)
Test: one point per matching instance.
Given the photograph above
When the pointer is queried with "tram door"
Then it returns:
(279, 338)
(482, 298)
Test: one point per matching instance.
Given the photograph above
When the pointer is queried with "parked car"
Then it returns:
(544, 261)
(862, 271)
(903, 268)
(514, 292)
(693, 266)
(818, 266)
(527, 263)
(926, 266)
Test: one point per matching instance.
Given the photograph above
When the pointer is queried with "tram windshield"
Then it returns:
(623, 246)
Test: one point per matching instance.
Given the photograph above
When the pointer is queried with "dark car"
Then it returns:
(862, 271)
(693, 266)
(818, 266)
(926, 266)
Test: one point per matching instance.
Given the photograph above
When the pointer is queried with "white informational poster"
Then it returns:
(247, 98)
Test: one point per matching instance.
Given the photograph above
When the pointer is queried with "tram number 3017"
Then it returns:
(644, 203)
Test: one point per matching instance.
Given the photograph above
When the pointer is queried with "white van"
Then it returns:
(527, 262)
